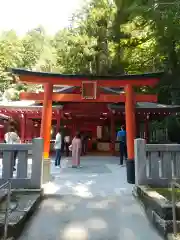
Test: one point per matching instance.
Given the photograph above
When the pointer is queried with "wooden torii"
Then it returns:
(90, 85)
(105, 98)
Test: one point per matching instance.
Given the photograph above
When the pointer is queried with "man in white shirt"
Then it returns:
(11, 137)
(58, 146)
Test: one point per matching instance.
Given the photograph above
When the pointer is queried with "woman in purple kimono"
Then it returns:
(76, 150)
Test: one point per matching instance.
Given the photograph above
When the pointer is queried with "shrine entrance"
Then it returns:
(90, 91)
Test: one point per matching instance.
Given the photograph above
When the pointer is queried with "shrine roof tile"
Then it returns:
(19, 72)
(147, 105)
(23, 104)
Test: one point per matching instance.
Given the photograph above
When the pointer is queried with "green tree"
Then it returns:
(74, 52)
(11, 50)
(105, 36)
(33, 44)
(84, 47)
(163, 20)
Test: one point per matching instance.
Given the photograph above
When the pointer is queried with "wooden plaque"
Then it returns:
(89, 90)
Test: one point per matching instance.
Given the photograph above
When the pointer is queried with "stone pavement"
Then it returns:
(93, 202)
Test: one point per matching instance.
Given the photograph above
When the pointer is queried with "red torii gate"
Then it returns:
(105, 98)
(90, 85)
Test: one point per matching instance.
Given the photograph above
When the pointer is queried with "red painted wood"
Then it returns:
(102, 98)
(47, 119)
(130, 121)
(58, 121)
(113, 137)
(78, 82)
(23, 127)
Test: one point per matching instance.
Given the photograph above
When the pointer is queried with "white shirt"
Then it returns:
(67, 139)
(58, 141)
(11, 138)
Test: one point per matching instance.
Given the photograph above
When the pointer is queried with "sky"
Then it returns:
(23, 15)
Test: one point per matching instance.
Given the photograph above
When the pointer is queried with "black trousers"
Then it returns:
(14, 158)
(123, 152)
(67, 149)
(84, 147)
(15, 153)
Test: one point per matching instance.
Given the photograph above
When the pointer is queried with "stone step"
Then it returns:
(158, 209)
(23, 204)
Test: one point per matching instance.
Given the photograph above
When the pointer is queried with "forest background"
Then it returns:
(104, 37)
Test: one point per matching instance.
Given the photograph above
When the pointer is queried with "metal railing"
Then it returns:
(6, 185)
(174, 185)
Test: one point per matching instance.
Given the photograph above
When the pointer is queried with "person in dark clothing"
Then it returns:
(67, 144)
(84, 144)
(62, 144)
(121, 137)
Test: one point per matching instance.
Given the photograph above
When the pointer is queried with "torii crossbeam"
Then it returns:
(106, 98)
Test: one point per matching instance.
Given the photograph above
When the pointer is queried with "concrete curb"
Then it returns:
(159, 224)
(15, 230)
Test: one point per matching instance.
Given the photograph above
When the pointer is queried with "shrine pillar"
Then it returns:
(130, 127)
(74, 128)
(137, 121)
(146, 128)
(46, 128)
(113, 137)
(23, 127)
(58, 120)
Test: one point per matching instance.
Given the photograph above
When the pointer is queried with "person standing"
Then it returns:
(84, 144)
(67, 144)
(11, 137)
(76, 148)
(121, 137)
(58, 148)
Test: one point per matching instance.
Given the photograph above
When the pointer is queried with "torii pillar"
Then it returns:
(46, 129)
(113, 136)
(23, 127)
(58, 120)
(130, 128)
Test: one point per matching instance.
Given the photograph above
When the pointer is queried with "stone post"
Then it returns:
(140, 161)
(37, 159)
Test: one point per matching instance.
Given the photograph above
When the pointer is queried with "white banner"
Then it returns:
(99, 132)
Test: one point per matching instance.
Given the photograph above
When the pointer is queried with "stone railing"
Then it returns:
(156, 164)
(26, 175)
(155, 135)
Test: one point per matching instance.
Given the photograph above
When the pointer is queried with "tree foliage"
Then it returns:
(104, 37)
